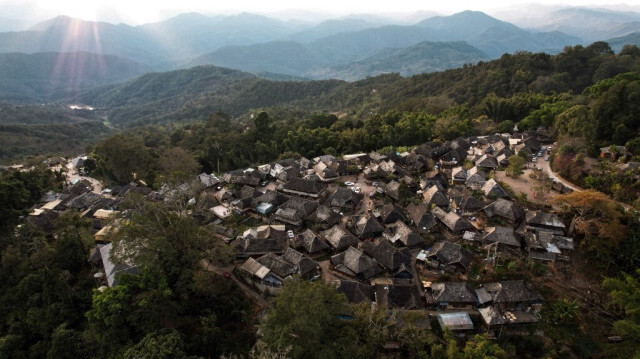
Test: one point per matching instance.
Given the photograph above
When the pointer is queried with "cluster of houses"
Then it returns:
(405, 235)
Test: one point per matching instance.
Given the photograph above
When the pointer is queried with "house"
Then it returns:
(487, 163)
(260, 277)
(261, 240)
(452, 221)
(277, 265)
(397, 296)
(207, 180)
(391, 213)
(325, 173)
(469, 205)
(504, 236)
(546, 246)
(450, 295)
(614, 152)
(459, 323)
(434, 197)
(304, 266)
(421, 217)
(492, 189)
(111, 268)
(390, 257)
(475, 181)
(400, 233)
(505, 209)
(514, 295)
(367, 227)
(436, 178)
(339, 238)
(324, 217)
(303, 187)
(344, 199)
(458, 175)
(294, 211)
(355, 264)
(310, 242)
(447, 256)
(392, 189)
(545, 221)
(356, 292)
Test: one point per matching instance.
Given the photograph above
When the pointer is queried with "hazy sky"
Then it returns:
(141, 11)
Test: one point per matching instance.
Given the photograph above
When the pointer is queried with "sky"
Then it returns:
(143, 11)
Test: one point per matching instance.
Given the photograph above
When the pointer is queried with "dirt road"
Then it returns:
(73, 174)
(546, 167)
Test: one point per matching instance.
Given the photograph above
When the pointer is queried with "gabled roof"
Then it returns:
(302, 264)
(455, 321)
(398, 296)
(433, 195)
(449, 253)
(459, 174)
(491, 188)
(503, 235)
(391, 213)
(344, 198)
(543, 219)
(451, 292)
(355, 291)
(277, 265)
(304, 186)
(339, 238)
(452, 220)
(421, 217)
(512, 291)
(325, 215)
(402, 233)
(487, 161)
(367, 227)
(505, 209)
(311, 242)
(387, 255)
(356, 263)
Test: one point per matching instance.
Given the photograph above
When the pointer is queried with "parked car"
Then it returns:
(349, 183)
(546, 158)
(356, 189)
(290, 234)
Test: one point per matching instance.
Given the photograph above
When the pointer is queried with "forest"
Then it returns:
(164, 130)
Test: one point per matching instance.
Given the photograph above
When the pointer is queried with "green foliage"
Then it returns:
(625, 292)
(305, 317)
(516, 166)
(565, 312)
(163, 344)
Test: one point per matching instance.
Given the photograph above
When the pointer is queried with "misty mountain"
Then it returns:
(587, 23)
(48, 76)
(619, 42)
(424, 57)
(332, 27)
(493, 36)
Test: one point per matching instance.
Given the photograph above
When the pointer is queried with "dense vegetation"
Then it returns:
(33, 130)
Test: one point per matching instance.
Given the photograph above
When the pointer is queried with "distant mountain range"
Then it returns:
(349, 48)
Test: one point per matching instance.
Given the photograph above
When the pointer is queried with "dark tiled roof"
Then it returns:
(344, 198)
(368, 227)
(503, 235)
(512, 291)
(356, 292)
(304, 186)
(449, 253)
(398, 296)
(451, 292)
(388, 255)
(505, 209)
(339, 238)
(277, 265)
(311, 242)
(391, 213)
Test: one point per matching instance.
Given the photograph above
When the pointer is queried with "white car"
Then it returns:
(290, 234)
(356, 189)
(349, 183)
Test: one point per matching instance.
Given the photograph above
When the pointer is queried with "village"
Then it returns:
(429, 231)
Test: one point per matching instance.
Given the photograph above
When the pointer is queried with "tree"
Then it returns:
(595, 213)
(305, 317)
(565, 311)
(625, 292)
(516, 166)
(163, 344)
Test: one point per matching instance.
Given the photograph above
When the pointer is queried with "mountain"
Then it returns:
(493, 36)
(590, 24)
(424, 57)
(193, 34)
(619, 42)
(288, 58)
(331, 27)
(48, 76)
